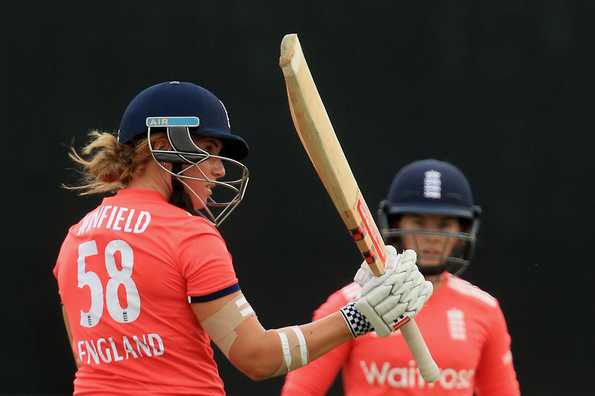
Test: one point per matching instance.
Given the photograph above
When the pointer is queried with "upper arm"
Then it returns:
(68, 332)
(495, 374)
(204, 310)
(233, 326)
(66, 324)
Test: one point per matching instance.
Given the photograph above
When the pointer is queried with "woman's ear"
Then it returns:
(160, 142)
(160, 145)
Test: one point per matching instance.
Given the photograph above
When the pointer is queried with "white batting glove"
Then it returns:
(388, 301)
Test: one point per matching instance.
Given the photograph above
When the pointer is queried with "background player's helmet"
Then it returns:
(180, 110)
(432, 187)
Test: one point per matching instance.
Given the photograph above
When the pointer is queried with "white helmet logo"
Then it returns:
(432, 184)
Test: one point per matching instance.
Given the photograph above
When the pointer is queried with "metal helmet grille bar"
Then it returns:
(185, 152)
(456, 262)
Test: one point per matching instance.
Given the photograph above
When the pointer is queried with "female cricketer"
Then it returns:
(146, 281)
(430, 209)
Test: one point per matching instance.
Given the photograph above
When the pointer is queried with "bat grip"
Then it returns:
(426, 364)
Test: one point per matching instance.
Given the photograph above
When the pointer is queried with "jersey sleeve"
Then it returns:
(207, 266)
(316, 378)
(495, 374)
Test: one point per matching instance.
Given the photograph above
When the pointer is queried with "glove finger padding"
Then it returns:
(364, 275)
(411, 294)
(396, 280)
(397, 313)
(387, 304)
(400, 292)
(413, 277)
(408, 258)
(378, 294)
(425, 291)
(376, 321)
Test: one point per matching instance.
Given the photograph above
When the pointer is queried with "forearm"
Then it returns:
(267, 353)
(325, 334)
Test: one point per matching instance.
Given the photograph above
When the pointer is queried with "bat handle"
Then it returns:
(426, 364)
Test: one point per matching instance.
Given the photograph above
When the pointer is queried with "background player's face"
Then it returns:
(211, 169)
(431, 249)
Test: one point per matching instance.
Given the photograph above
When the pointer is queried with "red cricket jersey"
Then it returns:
(465, 331)
(125, 273)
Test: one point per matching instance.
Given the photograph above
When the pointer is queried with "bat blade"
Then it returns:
(319, 139)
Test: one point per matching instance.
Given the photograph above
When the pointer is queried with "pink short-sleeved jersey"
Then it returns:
(126, 273)
(464, 328)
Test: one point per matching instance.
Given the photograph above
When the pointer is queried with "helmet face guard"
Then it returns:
(455, 261)
(431, 187)
(184, 155)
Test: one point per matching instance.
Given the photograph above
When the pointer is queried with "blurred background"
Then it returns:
(502, 89)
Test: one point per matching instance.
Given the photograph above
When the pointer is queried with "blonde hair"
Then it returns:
(108, 166)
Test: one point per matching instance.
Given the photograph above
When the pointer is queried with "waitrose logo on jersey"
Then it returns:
(384, 374)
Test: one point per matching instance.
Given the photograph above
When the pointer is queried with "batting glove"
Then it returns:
(388, 301)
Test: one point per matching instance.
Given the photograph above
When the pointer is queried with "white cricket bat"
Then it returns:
(318, 138)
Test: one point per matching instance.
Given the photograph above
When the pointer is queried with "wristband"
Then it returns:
(357, 323)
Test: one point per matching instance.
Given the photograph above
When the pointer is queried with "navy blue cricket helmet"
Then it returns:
(436, 188)
(175, 99)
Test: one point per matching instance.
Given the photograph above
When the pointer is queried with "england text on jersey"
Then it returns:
(114, 349)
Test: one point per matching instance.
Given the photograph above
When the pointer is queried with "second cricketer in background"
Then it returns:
(430, 209)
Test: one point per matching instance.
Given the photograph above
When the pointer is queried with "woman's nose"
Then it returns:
(218, 168)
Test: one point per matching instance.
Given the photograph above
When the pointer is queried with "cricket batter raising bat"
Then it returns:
(429, 208)
(146, 280)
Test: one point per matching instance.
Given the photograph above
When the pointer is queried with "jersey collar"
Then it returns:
(141, 193)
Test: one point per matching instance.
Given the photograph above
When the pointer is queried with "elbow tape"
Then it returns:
(222, 324)
(293, 348)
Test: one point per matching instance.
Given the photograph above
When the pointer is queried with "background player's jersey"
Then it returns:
(125, 273)
(464, 328)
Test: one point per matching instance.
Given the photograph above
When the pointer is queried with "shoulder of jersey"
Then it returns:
(471, 291)
(183, 214)
(201, 222)
(185, 219)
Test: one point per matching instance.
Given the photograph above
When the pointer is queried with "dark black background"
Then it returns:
(503, 89)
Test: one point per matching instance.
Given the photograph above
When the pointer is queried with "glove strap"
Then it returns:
(357, 323)
(401, 322)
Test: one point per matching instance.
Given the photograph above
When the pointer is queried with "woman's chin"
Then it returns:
(197, 205)
(429, 263)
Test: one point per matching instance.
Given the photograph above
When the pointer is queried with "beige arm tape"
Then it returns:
(222, 324)
(293, 348)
